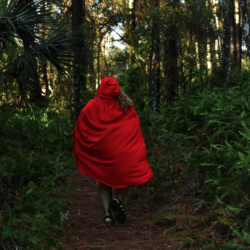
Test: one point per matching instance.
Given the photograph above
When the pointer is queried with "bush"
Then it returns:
(35, 155)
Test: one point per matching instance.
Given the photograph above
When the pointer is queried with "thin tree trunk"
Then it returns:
(44, 62)
(98, 57)
(98, 62)
(226, 43)
(182, 69)
(238, 33)
(79, 71)
(217, 25)
(209, 57)
(209, 43)
(246, 25)
(105, 61)
(170, 49)
(133, 27)
(233, 47)
(92, 78)
(45, 78)
(154, 74)
(134, 46)
(191, 52)
(51, 81)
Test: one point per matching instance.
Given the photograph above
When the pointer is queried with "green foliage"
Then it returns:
(132, 79)
(1, 7)
(133, 84)
(240, 78)
(209, 128)
(164, 217)
(87, 95)
(23, 45)
(244, 239)
(35, 155)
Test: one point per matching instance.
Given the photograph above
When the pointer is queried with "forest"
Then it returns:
(184, 63)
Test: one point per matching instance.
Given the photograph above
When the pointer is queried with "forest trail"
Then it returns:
(89, 231)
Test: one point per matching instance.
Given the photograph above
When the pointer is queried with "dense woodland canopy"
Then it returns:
(185, 65)
(53, 47)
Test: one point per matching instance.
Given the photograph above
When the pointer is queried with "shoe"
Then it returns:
(116, 206)
(108, 219)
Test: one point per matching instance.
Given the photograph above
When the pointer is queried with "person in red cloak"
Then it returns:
(109, 147)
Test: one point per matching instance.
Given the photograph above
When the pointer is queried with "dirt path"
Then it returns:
(90, 232)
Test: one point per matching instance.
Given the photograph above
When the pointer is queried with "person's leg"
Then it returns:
(105, 193)
(120, 193)
(117, 207)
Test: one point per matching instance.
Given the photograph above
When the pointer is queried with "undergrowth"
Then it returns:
(201, 140)
(205, 138)
(35, 155)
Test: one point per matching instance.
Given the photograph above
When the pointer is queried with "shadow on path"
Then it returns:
(89, 231)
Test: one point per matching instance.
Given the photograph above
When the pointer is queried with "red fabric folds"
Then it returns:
(108, 144)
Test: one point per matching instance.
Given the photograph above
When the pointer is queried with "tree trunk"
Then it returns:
(182, 69)
(233, 48)
(154, 68)
(170, 49)
(246, 24)
(101, 36)
(238, 33)
(92, 78)
(45, 78)
(44, 62)
(105, 60)
(226, 43)
(209, 43)
(134, 45)
(79, 71)
(133, 27)
(98, 62)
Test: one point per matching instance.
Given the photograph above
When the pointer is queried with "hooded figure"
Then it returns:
(108, 144)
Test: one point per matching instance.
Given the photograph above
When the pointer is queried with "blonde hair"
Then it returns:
(124, 102)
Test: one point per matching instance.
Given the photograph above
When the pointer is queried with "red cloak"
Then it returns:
(107, 142)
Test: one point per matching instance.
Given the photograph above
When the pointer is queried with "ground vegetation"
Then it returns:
(185, 66)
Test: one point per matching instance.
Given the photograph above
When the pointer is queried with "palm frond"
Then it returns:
(18, 66)
(56, 48)
(25, 19)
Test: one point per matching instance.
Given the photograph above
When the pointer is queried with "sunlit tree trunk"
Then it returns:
(245, 25)
(105, 61)
(209, 54)
(233, 48)
(45, 78)
(197, 55)
(98, 61)
(216, 25)
(209, 42)
(79, 71)
(238, 33)
(44, 62)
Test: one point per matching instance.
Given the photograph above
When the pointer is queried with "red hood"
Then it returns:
(109, 88)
